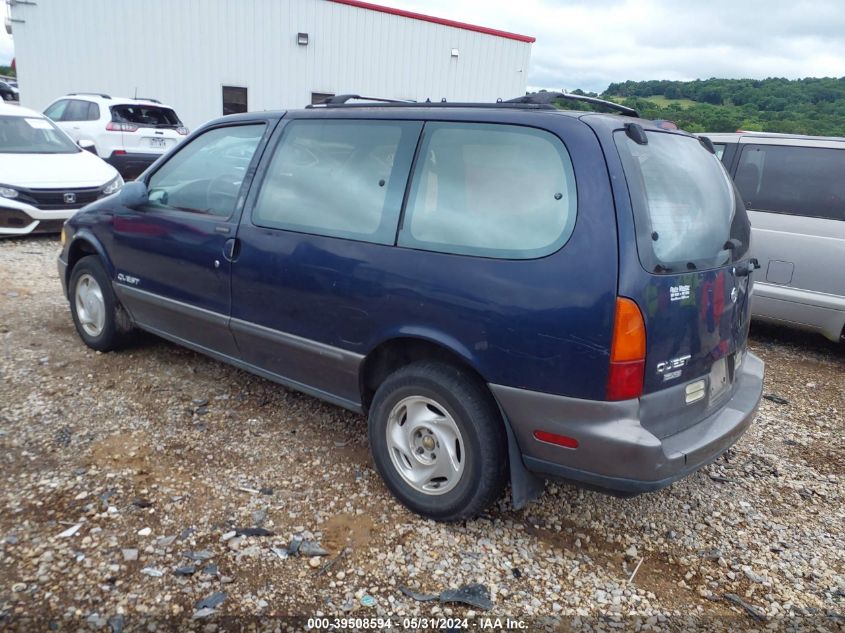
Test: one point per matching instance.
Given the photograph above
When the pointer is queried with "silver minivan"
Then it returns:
(794, 190)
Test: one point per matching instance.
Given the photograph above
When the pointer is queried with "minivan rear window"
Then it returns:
(490, 190)
(686, 213)
(145, 116)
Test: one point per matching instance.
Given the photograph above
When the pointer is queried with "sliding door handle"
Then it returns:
(231, 248)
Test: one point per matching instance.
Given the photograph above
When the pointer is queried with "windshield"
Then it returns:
(33, 135)
(145, 116)
(687, 213)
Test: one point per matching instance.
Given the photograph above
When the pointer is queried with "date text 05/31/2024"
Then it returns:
(416, 624)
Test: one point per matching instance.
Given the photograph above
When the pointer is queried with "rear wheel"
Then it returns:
(99, 319)
(438, 441)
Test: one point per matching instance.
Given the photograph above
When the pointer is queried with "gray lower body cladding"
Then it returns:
(616, 451)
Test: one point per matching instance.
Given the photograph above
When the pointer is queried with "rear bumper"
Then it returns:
(131, 164)
(804, 309)
(615, 451)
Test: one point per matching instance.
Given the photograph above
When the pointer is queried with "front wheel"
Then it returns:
(99, 319)
(438, 441)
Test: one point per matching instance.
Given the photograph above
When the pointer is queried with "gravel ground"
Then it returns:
(157, 452)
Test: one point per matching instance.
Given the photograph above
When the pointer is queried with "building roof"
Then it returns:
(430, 18)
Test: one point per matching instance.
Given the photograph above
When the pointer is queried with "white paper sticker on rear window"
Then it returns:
(39, 124)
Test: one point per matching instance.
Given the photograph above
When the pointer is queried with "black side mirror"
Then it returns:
(134, 194)
(87, 145)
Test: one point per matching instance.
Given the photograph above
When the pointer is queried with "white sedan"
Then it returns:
(44, 176)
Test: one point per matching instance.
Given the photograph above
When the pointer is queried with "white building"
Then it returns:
(204, 57)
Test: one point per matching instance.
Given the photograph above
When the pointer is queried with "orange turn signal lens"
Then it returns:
(627, 352)
(628, 332)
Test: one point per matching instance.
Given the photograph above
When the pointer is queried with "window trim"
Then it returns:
(272, 148)
(757, 146)
(473, 252)
(246, 185)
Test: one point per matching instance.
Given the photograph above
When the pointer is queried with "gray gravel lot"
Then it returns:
(156, 451)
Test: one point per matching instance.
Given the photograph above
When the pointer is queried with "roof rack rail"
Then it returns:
(342, 99)
(150, 99)
(90, 94)
(533, 101)
(543, 98)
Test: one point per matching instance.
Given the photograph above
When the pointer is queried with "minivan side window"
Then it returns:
(338, 178)
(807, 181)
(205, 176)
(492, 190)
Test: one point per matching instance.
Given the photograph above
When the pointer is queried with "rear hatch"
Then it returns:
(694, 283)
(156, 128)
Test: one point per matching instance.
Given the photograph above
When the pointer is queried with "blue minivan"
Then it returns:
(509, 291)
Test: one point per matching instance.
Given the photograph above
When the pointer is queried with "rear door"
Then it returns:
(73, 118)
(692, 283)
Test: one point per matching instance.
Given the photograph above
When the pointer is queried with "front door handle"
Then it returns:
(231, 248)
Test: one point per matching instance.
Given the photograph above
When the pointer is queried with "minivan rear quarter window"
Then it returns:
(686, 213)
(491, 190)
(808, 181)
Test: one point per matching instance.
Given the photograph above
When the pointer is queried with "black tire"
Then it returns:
(117, 328)
(469, 403)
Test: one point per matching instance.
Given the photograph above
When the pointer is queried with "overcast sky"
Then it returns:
(591, 43)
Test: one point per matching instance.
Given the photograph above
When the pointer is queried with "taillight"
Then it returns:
(111, 126)
(627, 352)
(182, 130)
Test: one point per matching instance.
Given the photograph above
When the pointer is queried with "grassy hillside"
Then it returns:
(801, 106)
(663, 102)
